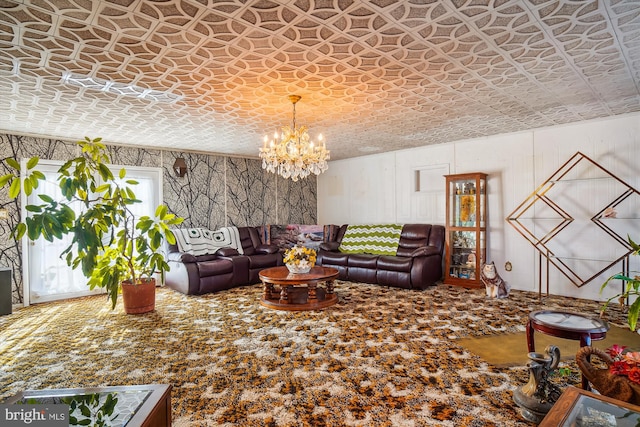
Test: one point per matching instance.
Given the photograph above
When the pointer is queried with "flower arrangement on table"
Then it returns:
(625, 364)
(299, 259)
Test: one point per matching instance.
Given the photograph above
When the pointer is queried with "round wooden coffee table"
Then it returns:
(298, 291)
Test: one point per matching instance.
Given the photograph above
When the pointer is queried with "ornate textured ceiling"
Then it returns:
(374, 76)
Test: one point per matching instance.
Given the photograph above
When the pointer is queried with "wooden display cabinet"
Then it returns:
(465, 229)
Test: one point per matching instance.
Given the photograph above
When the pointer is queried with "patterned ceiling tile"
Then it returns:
(374, 75)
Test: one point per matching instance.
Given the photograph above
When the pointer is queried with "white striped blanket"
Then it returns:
(200, 241)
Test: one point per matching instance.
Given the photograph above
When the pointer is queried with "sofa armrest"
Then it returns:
(227, 252)
(425, 251)
(181, 257)
(330, 246)
(267, 249)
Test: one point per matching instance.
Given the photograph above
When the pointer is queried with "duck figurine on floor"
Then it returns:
(536, 398)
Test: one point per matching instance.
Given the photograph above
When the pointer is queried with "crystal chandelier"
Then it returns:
(292, 154)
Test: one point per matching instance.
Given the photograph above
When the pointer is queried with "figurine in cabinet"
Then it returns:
(467, 209)
(471, 259)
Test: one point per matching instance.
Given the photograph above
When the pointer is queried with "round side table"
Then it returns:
(567, 325)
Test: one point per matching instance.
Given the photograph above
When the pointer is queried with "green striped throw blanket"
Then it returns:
(376, 239)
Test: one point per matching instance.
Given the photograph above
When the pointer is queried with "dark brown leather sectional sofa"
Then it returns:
(417, 265)
(197, 275)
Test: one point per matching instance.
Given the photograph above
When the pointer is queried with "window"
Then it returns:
(47, 276)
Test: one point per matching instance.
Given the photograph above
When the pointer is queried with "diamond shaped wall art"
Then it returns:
(579, 221)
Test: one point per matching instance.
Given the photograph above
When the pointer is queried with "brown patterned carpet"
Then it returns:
(380, 357)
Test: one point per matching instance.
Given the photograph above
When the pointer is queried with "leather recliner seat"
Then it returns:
(197, 275)
(416, 265)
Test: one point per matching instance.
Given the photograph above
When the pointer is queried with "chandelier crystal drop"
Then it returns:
(292, 154)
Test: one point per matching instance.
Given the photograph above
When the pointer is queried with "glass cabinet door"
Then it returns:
(466, 234)
(463, 203)
(463, 255)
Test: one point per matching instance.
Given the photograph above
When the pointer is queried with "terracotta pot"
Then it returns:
(139, 298)
(615, 386)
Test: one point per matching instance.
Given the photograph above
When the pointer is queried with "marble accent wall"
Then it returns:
(199, 196)
(216, 191)
(251, 193)
(297, 201)
(19, 147)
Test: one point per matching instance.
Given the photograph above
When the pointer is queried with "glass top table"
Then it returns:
(568, 321)
(141, 405)
(590, 411)
(567, 325)
(578, 407)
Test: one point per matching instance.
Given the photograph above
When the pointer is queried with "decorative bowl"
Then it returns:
(298, 269)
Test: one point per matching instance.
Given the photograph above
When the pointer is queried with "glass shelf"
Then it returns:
(568, 180)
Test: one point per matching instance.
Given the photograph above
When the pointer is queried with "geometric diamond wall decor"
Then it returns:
(578, 220)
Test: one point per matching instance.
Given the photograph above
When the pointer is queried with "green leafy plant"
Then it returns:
(631, 291)
(85, 409)
(88, 410)
(564, 371)
(109, 243)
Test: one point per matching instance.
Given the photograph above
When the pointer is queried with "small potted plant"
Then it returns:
(115, 250)
(299, 259)
(630, 292)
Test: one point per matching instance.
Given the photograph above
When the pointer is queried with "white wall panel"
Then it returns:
(358, 191)
(615, 145)
(333, 194)
(426, 201)
(508, 162)
(422, 207)
(516, 164)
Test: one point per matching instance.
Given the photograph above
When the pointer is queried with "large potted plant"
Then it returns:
(630, 291)
(115, 250)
